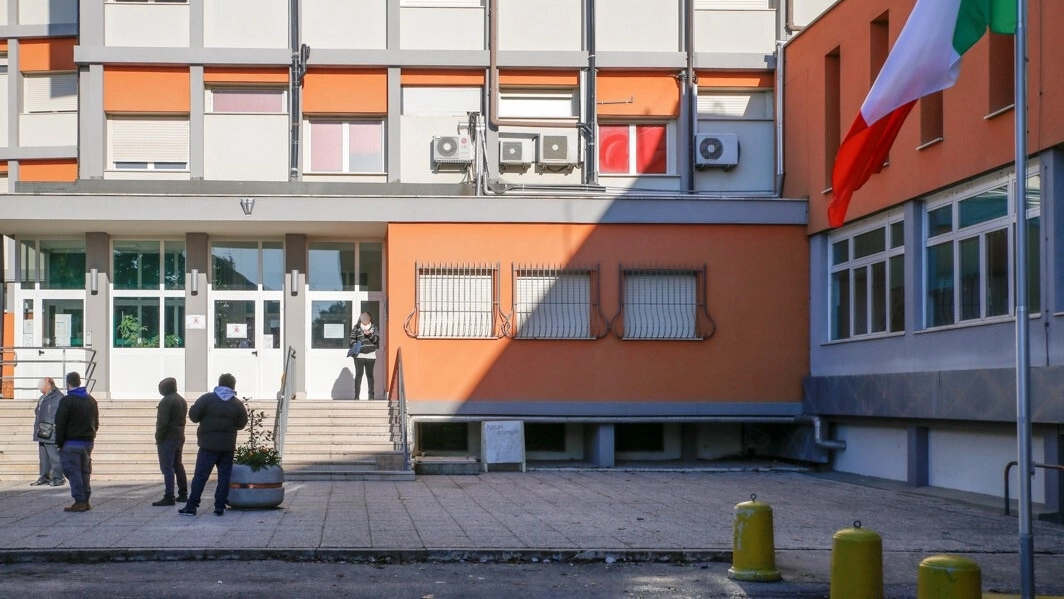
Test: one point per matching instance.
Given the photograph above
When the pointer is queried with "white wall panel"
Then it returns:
(47, 12)
(239, 147)
(637, 26)
(3, 111)
(541, 25)
(146, 25)
(973, 460)
(415, 139)
(736, 31)
(872, 451)
(345, 24)
(804, 11)
(441, 28)
(757, 158)
(48, 129)
(245, 24)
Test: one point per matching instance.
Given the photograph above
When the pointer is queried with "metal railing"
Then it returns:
(284, 396)
(1008, 469)
(37, 359)
(397, 394)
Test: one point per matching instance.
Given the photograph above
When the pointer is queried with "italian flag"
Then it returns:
(925, 59)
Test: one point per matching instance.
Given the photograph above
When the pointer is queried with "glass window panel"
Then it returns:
(174, 322)
(136, 265)
(1034, 192)
(860, 301)
(651, 150)
(332, 266)
(272, 265)
(940, 220)
(271, 324)
(869, 243)
(971, 288)
(62, 265)
(1034, 265)
(940, 285)
(248, 100)
(234, 324)
(235, 265)
(371, 266)
(984, 207)
(840, 305)
(64, 323)
(29, 261)
(840, 251)
(174, 265)
(997, 273)
(879, 297)
(613, 149)
(331, 323)
(897, 293)
(326, 147)
(365, 147)
(897, 234)
(136, 322)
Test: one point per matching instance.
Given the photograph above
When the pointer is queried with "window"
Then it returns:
(878, 44)
(868, 280)
(64, 322)
(50, 92)
(346, 147)
(153, 144)
(247, 100)
(452, 101)
(637, 149)
(149, 302)
(50, 264)
(931, 118)
(456, 302)
(539, 104)
(552, 303)
(663, 304)
(149, 265)
(3, 63)
(735, 106)
(245, 265)
(969, 255)
(832, 117)
(1001, 72)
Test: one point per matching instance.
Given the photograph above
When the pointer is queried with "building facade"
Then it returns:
(563, 211)
(912, 348)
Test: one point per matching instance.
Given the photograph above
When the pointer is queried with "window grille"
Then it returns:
(556, 303)
(455, 301)
(663, 303)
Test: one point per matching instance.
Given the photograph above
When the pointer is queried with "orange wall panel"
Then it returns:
(146, 89)
(48, 171)
(757, 294)
(46, 54)
(652, 94)
(539, 78)
(740, 79)
(239, 75)
(345, 91)
(442, 77)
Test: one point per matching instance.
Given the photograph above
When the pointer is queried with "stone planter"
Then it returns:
(256, 489)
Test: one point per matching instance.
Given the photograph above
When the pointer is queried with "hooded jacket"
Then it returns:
(46, 408)
(78, 417)
(219, 417)
(171, 413)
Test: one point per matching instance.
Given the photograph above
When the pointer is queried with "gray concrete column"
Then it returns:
(918, 456)
(90, 22)
(14, 84)
(195, 23)
(98, 309)
(914, 267)
(195, 122)
(393, 24)
(197, 341)
(92, 123)
(689, 442)
(295, 307)
(393, 165)
(600, 445)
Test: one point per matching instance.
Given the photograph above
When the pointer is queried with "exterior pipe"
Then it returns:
(591, 87)
(779, 118)
(818, 433)
(692, 92)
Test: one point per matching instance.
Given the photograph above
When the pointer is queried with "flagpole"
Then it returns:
(1023, 358)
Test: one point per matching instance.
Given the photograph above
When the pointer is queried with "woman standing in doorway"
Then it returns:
(366, 333)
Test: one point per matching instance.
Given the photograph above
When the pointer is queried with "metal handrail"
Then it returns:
(9, 358)
(280, 420)
(1008, 469)
(397, 392)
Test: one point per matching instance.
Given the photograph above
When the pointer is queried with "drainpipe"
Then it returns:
(818, 433)
(297, 69)
(692, 91)
(591, 103)
(779, 118)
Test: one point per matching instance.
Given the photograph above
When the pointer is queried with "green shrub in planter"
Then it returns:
(258, 479)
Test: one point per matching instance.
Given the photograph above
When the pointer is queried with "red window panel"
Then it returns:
(651, 150)
(326, 147)
(613, 149)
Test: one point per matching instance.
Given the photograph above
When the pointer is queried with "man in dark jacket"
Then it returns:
(219, 418)
(170, 441)
(76, 423)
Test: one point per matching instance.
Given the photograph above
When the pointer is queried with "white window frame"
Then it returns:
(145, 165)
(457, 302)
(441, 3)
(345, 142)
(670, 152)
(540, 103)
(208, 104)
(49, 106)
(160, 294)
(851, 264)
(956, 235)
(552, 303)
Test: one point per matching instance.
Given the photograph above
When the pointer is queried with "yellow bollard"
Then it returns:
(949, 577)
(753, 545)
(856, 564)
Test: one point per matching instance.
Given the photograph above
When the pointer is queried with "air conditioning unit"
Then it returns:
(557, 149)
(515, 152)
(452, 149)
(716, 150)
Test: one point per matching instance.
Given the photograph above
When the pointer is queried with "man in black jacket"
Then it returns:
(170, 441)
(76, 423)
(219, 418)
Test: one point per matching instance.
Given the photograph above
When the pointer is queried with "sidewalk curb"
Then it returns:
(92, 556)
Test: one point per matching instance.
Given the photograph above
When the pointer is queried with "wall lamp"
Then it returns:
(247, 205)
(94, 281)
(194, 282)
(293, 282)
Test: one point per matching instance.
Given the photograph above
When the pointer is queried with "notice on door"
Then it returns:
(195, 321)
(502, 442)
(236, 330)
(333, 331)
(61, 327)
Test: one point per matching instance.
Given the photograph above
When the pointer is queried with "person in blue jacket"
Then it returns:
(219, 416)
